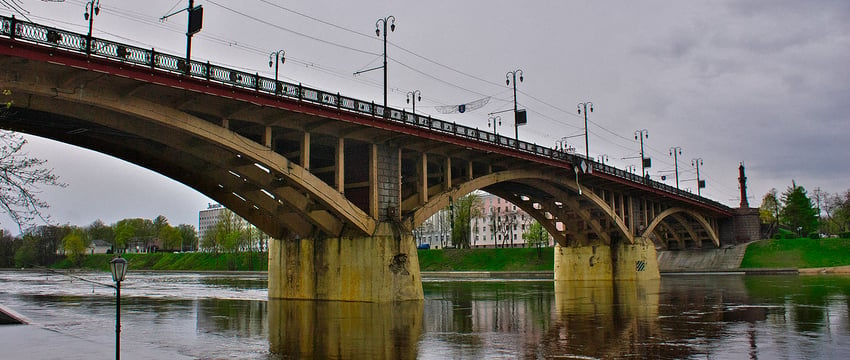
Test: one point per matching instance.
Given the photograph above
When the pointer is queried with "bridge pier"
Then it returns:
(601, 262)
(383, 267)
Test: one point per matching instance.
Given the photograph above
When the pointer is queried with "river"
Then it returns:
(228, 316)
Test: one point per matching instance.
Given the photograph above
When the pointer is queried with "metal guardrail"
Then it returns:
(57, 38)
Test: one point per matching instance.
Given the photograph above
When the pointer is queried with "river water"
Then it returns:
(216, 316)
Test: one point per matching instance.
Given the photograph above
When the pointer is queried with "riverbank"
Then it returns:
(811, 256)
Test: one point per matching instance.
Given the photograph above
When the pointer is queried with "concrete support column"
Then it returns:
(601, 262)
(589, 263)
(638, 261)
(379, 268)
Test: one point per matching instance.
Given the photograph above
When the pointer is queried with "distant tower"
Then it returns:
(742, 183)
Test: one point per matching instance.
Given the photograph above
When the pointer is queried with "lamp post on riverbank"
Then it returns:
(118, 266)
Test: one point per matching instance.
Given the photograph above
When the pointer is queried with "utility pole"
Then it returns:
(508, 76)
(640, 135)
(196, 19)
(675, 152)
(700, 184)
(586, 142)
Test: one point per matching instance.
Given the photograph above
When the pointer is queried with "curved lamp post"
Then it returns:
(391, 20)
(413, 96)
(118, 266)
(586, 143)
(508, 76)
(92, 9)
(278, 57)
(497, 121)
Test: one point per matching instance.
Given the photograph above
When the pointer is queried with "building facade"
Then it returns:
(500, 224)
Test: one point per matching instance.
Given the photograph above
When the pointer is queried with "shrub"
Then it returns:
(844, 235)
(790, 236)
(814, 235)
(777, 236)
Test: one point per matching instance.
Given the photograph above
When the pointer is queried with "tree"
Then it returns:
(75, 245)
(798, 211)
(769, 209)
(170, 237)
(124, 232)
(466, 208)
(536, 235)
(100, 231)
(20, 177)
(189, 237)
(228, 234)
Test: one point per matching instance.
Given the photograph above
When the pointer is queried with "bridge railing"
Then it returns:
(69, 41)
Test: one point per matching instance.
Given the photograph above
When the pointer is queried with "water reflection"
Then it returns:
(215, 316)
(344, 330)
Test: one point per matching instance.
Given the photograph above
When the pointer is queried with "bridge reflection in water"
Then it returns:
(344, 330)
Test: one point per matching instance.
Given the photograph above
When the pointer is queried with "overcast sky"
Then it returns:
(760, 82)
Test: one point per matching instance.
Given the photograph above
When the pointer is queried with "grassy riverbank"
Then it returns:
(783, 253)
(429, 260)
(184, 261)
(797, 253)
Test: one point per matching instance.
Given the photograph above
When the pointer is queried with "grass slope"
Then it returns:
(797, 253)
(429, 260)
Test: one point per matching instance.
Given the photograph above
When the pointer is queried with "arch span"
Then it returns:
(262, 186)
(672, 212)
(565, 192)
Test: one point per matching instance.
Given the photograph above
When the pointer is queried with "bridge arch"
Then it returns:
(262, 186)
(566, 193)
(675, 213)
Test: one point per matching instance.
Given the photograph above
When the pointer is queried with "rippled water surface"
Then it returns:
(216, 316)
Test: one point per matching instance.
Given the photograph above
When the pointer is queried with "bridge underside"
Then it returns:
(341, 191)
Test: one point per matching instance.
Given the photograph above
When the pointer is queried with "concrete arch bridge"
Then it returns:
(337, 182)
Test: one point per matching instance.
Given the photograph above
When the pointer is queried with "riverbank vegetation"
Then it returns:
(197, 261)
(797, 253)
(519, 259)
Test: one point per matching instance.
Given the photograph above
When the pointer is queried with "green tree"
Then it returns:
(124, 233)
(170, 237)
(535, 235)
(798, 212)
(100, 231)
(228, 234)
(466, 208)
(189, 237)
(27, 254)
(769, 209)
(75, 245)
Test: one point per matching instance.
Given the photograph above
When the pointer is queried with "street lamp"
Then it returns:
(391, 20)
(414, 95)
(508, 82)
(640, 135)
(675, 152)
(92, 9)
(700, 184)
(118, 266)
(586, 143)
(497, 121)
(278, 57)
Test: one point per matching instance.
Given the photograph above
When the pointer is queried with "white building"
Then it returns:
(209, 218)
(501, 224)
